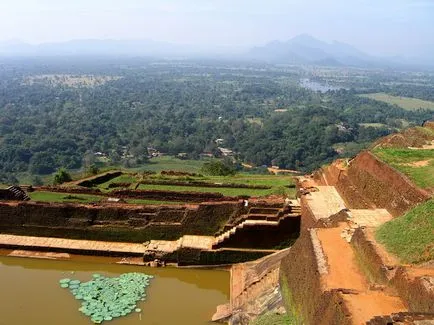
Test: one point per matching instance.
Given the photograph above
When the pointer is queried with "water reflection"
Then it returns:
(31, 294)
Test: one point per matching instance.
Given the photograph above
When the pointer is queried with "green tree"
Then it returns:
(62, 176)
(93, 169)
(218, 168)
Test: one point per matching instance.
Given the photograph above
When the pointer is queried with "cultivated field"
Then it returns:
(404, 102)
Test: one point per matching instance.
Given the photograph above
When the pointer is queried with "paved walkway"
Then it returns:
(325, 202)
(69, 245)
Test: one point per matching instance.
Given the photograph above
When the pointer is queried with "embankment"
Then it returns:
(367, 182)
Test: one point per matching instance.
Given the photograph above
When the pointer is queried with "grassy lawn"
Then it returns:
(224, 191)
(411, 236)
(64, 197)
(401, 159)
(266, 180)
(404, 102)
(120, 179)
(159, 164)
(277, 184)
(154, 202)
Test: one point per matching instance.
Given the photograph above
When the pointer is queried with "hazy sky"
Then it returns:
(386, 27)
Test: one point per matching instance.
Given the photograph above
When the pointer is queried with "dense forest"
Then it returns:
(61, 112)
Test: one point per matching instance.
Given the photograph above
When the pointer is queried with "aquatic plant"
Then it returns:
(104, 299)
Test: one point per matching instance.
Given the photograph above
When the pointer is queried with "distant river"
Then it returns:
(316, 86)
(30, 293)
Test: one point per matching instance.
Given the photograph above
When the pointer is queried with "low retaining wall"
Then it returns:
(203, 184)
(174, 196)
(416, 292)
(370, 257)
(99, 179)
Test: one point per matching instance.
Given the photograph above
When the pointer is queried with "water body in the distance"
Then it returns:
(30, 293)
(316, 86)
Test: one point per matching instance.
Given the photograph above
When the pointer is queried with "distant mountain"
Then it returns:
(305, 49)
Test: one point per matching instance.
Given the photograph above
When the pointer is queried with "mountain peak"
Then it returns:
(307, 49)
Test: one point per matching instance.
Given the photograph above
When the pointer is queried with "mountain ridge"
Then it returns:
(301, 49)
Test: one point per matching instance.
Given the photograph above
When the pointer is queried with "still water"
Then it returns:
(30, 293)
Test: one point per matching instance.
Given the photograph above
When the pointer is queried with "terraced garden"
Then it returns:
(238, 185)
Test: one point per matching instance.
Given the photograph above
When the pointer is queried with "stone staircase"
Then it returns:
(18, 194)
(264, 213)
(259, 217)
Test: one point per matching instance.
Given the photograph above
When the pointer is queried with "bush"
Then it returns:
(62, 176)
(218, 168)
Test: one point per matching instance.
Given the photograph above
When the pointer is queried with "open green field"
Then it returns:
(404, 102)
(85, 198)
(159, 164)
(418, 165)
(224, 191)
(64, 197)
(411, 236)
(281, 185)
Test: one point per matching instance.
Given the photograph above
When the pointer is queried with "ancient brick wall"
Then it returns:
(368, 182)
(302, 290)
(107, 222)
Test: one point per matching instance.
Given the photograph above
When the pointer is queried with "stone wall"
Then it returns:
(114, 223)
(301, 286)
(417, 292)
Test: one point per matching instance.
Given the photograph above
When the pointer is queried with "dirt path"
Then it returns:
(368, 305)
(343, 270)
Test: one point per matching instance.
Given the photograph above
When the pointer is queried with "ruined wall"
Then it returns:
(369, 182)
(300, 282)
(113, 223)
(368, 253)
(403, 318)
(417, 292)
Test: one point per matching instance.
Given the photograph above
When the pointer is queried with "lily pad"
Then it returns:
(104, 299)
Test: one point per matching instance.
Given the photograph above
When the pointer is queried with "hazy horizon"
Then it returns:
(399, 27)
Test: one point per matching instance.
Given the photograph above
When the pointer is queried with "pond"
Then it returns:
(30, 292)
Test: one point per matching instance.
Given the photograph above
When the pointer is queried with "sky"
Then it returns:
(380, 27)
